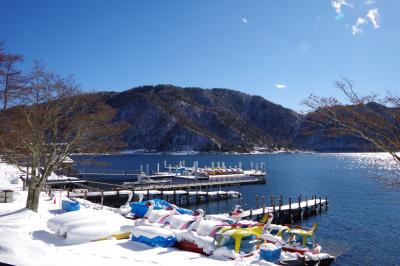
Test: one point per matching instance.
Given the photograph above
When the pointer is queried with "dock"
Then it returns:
(233, 181)
(181, 193)
(189, 185)
(291, 212)
(115, 198)
(154, 193)
(185, 194)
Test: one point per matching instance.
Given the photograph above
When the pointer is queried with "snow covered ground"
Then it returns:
(25, 238)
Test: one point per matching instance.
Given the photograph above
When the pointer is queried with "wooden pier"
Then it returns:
(182, 193)
(150, 192)
(202, 184)
(192, 185)
(291, 212)
(188, 186)
(116, 198)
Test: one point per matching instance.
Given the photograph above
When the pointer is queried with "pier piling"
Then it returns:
(320, 205)
(174, 196)
(290, 210)
(273, 202)
(326, 202)
(300, 210)
(315, 204)
(280, 207)
(256, 201)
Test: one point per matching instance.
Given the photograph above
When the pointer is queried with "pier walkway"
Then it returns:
(157, 185)
(291, 212)
(234, 181)
(82, 194)
(116, 198)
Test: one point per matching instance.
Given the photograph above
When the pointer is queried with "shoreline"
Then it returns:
(195, 153)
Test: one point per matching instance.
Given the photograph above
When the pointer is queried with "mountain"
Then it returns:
(171, 118)
(324, 138)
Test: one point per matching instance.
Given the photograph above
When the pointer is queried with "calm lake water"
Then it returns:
(362, 224)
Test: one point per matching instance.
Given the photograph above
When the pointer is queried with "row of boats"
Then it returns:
(219, 171)
(160, 223)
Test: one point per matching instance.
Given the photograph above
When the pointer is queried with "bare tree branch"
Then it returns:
(369, 117)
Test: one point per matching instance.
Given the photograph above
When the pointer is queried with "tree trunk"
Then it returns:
(32, 201)
(5, 96)
(5, 100)
(36, 185)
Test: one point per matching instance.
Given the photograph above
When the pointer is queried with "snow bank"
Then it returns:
(150, 232)
(86, 225)
(26, 239)
(9, 177)
(53, 176)
(224, 253)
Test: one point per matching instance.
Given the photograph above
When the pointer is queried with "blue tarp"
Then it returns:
(156, 241)
(140, 208)
(70, 205)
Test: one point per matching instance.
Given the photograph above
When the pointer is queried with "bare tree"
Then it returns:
(38, 79)
(370, 117)
(11, 79)
(55, 120)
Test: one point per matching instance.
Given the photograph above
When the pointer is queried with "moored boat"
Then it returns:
(299, 239)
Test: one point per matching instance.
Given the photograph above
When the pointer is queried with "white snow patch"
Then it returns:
(26, 239)
(150, 232)
(224, 252)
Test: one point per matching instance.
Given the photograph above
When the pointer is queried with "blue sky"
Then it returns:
(283, 50)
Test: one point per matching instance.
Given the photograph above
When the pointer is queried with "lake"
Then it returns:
(362, 224)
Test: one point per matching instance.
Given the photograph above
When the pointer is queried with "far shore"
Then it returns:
(190, 153)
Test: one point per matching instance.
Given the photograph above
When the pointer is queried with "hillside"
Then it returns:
(170, 118)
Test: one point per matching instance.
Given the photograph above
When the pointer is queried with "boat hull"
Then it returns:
(190, 246)
(296, 250)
